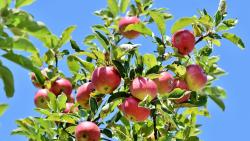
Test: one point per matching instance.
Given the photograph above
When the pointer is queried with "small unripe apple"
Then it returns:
(70, 108)
(87, 131)
(131, 109)
(195, 77)
(41, 99)
(178, 83)
(106, 79)
(83, 94)
(165, 83)
(124, 22)
(184, 41)
(61, 85)
(142, 87)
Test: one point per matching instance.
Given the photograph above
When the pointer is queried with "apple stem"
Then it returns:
(154, 120)
(202, 37)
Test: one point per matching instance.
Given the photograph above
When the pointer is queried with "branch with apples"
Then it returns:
(120, 93)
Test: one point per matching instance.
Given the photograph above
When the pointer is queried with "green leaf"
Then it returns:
(93, 105)
(149, 60)
(4, 3)
(159, 20)
(73, 64)
(113, 7)
(102, 39)
(234, 39)
(75, 46)
(61, 101)
(66, 36)
(3, 108)
(139, 27)
(87, 65)
(216, 91)
(124, 5)
(120, 68)
(21, 3)
(183, 22)
(25, 63)
(8, 80)
(218, 101)
(24, 45)
(107, 132)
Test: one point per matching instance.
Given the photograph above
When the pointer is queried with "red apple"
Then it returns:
(87, 131)
(124, 22)
(178, 83)
(70, 108)
(142, 87)
(41, 98)
(106, 79)
(83, 94)
(165, 83)
(34, 79)
(184, 41)
(132, 111)
(195, 77)
(61, 85)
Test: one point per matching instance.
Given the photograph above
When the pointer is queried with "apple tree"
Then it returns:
(114, 91)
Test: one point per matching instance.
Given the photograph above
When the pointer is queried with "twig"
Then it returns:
(202, 37)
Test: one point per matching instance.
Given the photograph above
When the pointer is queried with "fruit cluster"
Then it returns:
(106, 79)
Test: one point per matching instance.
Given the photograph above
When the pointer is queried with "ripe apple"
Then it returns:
(41, 98)
(195, 77)
(184, 41)
(83, 94)
(132, 111)
(165, 83)
(70, 108)
(142, 87)
(34, 79)
(87, 131)
(178, 83)
(61, 85)
(124, 22)
(106, 79)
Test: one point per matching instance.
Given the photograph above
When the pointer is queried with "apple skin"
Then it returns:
(165, 83)
(41, 98)
(178, 83)
(87, 131)
(83, 94)
(61, 85)
(70, 108)
(184, 41)
(131, 110)
(195, 77)
(124, 22)
(106, 79)
(142, 87)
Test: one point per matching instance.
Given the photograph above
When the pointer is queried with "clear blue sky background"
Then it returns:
(231, 125)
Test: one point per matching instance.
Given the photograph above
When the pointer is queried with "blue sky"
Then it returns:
(231, 125)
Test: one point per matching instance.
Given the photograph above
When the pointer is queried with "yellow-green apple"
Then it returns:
(126, 21)
(70, 108)
(61, 85)
(195, 77)
(184, 41)
(87, 131)
(106, 79)
(179, 83)
(83, 94)
(41, 98)
(165, 83)
(131, 110)
(142, 87)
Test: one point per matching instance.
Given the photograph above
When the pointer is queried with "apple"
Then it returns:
(131, 109)
(87, 131)
(70, 108)
(61, 85)
(195, 77)
(83, 94)
(184, 41)
(178, 83)
(41, 98)
(142, 87)
(165, 83)
(124, 22)
(106, 79)
(34, 79)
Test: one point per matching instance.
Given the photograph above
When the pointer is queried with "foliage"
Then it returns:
(107, 47)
